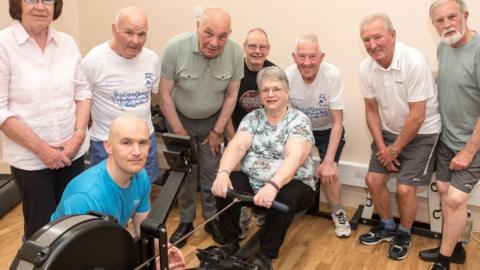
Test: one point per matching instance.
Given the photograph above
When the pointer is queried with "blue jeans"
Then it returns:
(98, 153)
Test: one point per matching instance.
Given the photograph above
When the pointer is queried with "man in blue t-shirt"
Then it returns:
(118, 186)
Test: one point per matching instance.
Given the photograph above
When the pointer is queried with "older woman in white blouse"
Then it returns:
(44, 107)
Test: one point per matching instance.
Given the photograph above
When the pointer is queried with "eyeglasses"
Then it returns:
(273, 91)
(254, 47)
(45, 2)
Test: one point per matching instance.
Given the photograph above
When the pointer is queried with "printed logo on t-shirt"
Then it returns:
(312, 112)
(322, 100)
(149, 80)
(126, 100)
(250, 100)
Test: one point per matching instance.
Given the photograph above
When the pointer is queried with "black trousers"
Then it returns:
(295, 194)
(41, 191)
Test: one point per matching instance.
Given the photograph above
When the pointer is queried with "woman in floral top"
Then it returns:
(273, 146)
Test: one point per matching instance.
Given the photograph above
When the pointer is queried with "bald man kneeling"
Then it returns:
(118, 186)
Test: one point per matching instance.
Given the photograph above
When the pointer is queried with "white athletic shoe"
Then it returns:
(342, 227)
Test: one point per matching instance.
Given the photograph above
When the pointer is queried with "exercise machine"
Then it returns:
(9, 194)
(96, 241)
(365, 215)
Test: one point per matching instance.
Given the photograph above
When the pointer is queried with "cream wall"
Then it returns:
(336, 23)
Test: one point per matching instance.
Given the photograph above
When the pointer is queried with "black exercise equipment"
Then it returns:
(97, 242)
(209, 258)
(78, 242)
(9, 194)
(365, 215)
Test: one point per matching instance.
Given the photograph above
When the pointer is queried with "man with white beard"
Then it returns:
(458, 161)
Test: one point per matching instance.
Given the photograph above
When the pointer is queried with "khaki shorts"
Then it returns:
(464, 180)
(417, 159)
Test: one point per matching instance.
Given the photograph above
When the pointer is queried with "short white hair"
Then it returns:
(309, 37)
(387, 23)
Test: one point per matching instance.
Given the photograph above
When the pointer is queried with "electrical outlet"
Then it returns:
(198, 12)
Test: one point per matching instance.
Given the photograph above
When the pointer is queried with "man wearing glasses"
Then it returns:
(316, 89)
(403, 119)
(255, 48)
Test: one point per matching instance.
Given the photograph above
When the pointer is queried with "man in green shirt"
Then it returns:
(200, 77)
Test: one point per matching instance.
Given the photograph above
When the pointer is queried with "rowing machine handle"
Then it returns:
(281, 207)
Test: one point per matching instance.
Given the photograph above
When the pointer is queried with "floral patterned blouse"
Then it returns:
(267, 151)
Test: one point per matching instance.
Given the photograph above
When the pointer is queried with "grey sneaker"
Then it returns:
(399, 246)
(342, 227)
(377, 235)
(245, 223)
(260, 218)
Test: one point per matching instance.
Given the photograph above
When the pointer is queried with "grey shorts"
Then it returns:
(417, 159)
(464, 180)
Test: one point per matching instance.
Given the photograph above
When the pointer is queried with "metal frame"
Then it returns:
(365, 215)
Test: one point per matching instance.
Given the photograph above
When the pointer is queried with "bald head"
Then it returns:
(128, 123)
(213, 31)
(129, 32)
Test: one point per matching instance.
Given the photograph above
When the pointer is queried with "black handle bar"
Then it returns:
(248, 197)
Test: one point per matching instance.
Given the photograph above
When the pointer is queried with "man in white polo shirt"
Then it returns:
(403, 119)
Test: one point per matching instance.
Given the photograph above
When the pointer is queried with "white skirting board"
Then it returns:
(353, 174)
(354, 192)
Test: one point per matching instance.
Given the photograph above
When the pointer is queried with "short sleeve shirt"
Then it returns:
(267, 151)
(459, 91)
(200, 83)
(407, 79)
(316, 99)
(95, 190)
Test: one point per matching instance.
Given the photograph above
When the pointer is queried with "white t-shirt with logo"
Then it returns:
(119, 86)
(316, 99)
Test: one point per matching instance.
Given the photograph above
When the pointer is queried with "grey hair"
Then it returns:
(309, 37)
(387, 23)
(121, 13)
(272, 73)
(434, 5)
(257, 29)
(214, 11)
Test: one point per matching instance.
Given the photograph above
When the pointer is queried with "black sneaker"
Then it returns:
(459, 255)
(438, 266)
(399, 246)
(377, 235)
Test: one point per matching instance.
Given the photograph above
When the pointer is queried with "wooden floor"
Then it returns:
(310, 244)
